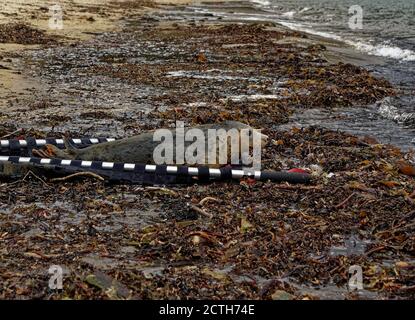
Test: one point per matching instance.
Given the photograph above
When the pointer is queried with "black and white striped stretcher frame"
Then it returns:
(225, 173)
(33, 142)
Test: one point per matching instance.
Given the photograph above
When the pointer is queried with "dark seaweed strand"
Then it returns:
(200, 172)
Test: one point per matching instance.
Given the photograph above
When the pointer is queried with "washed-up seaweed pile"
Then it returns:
(255, 61)
(24, 34)
(153, 73)
(239, 63)
(260, 114)
(238, 240)
(131, 5)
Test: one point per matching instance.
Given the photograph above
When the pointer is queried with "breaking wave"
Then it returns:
(391, 112)
(383, 50)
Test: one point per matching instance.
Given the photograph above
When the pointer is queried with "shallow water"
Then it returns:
(365, 121)
(388, 28)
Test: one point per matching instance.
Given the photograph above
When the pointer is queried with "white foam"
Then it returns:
(255, 97)
(389, 111)
(382, 50)
(289, 14)
(193, 74)
(197, 104)
(264, 3)
(309, 30)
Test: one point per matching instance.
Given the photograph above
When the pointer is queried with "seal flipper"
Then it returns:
(51, 151)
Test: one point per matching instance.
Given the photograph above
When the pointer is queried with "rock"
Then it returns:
(282, 295)
(113, 288)
(100, 262)
(128, 249)
(406, 168)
